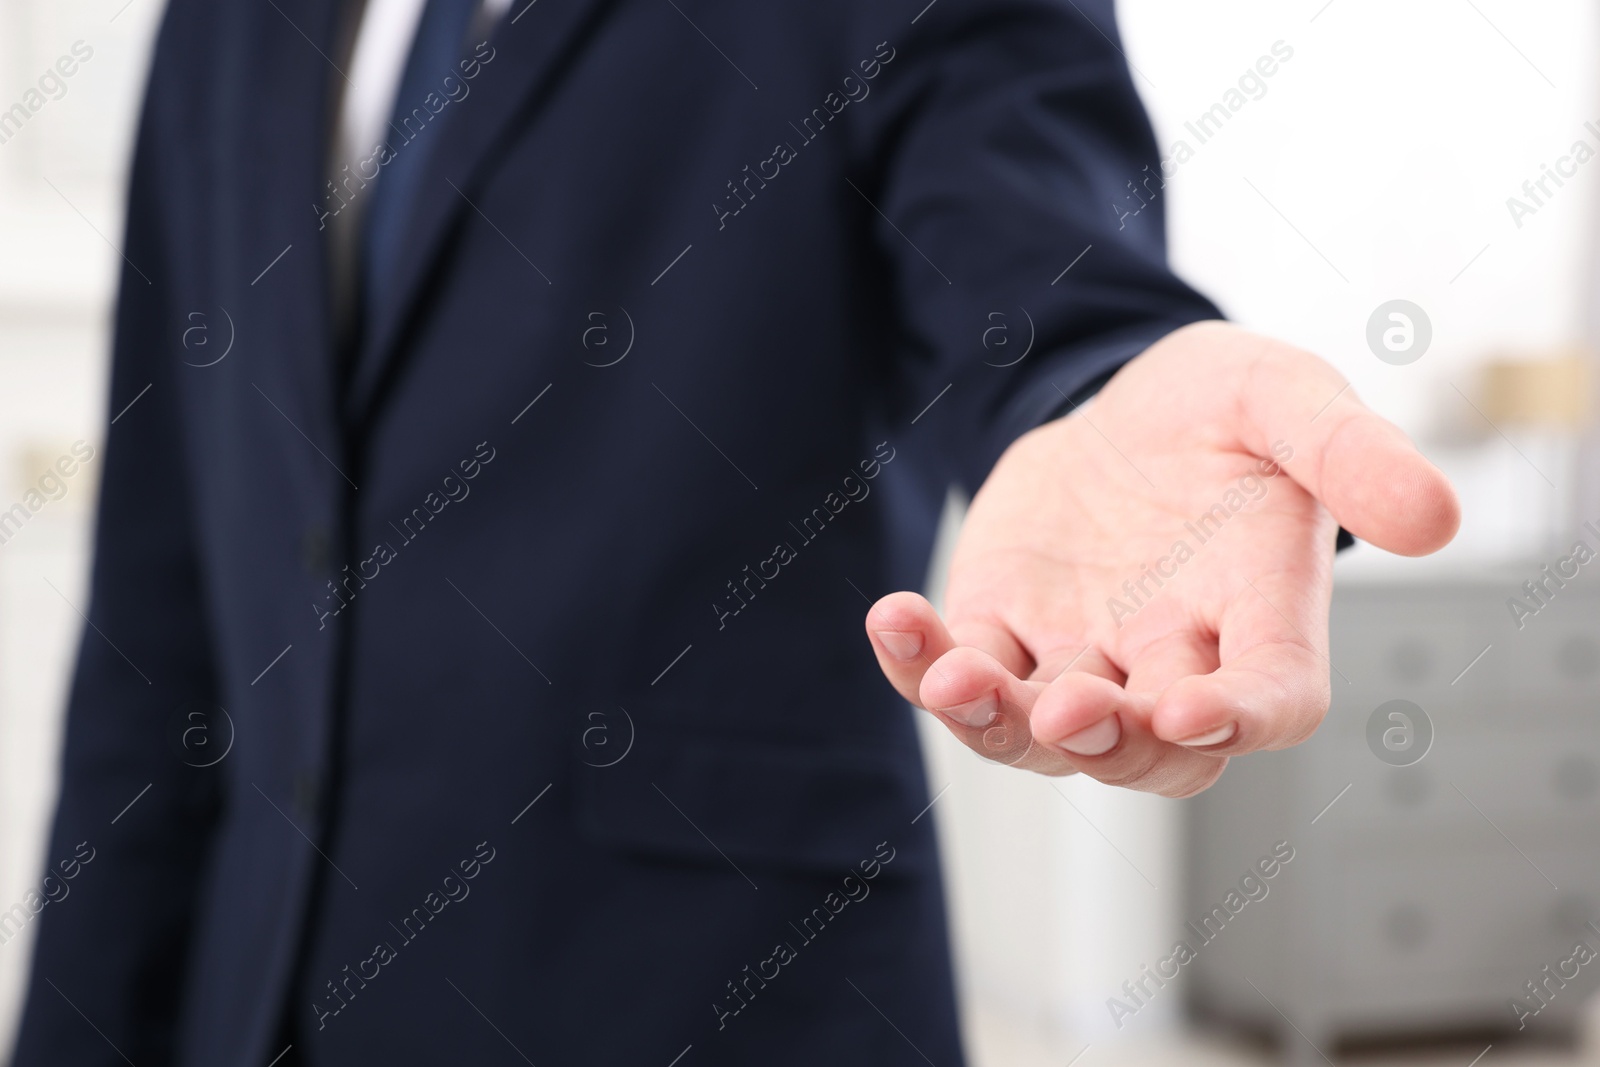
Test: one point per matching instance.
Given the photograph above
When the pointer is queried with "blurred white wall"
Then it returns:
(1382, 152)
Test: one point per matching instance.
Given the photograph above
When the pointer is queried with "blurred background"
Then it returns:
(1444, 826)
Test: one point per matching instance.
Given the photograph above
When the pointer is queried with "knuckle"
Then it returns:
(1130, 771)
(1307, 717)
(1199, 783)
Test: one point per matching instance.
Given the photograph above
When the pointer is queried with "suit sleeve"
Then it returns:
(1008, 156)
(109, 962)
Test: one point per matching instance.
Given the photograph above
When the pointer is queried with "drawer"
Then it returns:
(1520, 779)
(1434, 927)
(1412, 643)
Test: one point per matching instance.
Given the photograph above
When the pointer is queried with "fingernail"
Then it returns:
(900, 644)
(980, 712)
(1213, 737)
(1094, 740)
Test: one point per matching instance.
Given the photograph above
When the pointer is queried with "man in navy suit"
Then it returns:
(474, 670)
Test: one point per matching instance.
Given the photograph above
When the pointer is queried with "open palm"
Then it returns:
(1141, 589)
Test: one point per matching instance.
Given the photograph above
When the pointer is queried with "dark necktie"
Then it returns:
(438, 45)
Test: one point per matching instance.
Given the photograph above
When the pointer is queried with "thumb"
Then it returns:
(1298, 410)
(1380, 488)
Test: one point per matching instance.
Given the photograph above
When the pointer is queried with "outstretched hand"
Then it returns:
(1141, 590)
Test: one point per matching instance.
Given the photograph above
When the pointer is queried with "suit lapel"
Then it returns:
(532, 45)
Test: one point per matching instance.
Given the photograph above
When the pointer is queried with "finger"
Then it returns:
(987, 708)
(907, 636)
(1041, 664)
(1175, 655)
(1084, 658)
(1272, 689)
(1086, 715)
(1100, 729)
(995, 639)
(1272, 698)
(1302, 413)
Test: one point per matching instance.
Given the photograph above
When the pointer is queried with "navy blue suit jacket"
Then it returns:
(496, 691)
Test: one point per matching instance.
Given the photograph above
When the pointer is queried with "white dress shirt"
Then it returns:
(377, 63)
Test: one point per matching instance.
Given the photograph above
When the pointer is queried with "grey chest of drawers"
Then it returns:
(1445, 822)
